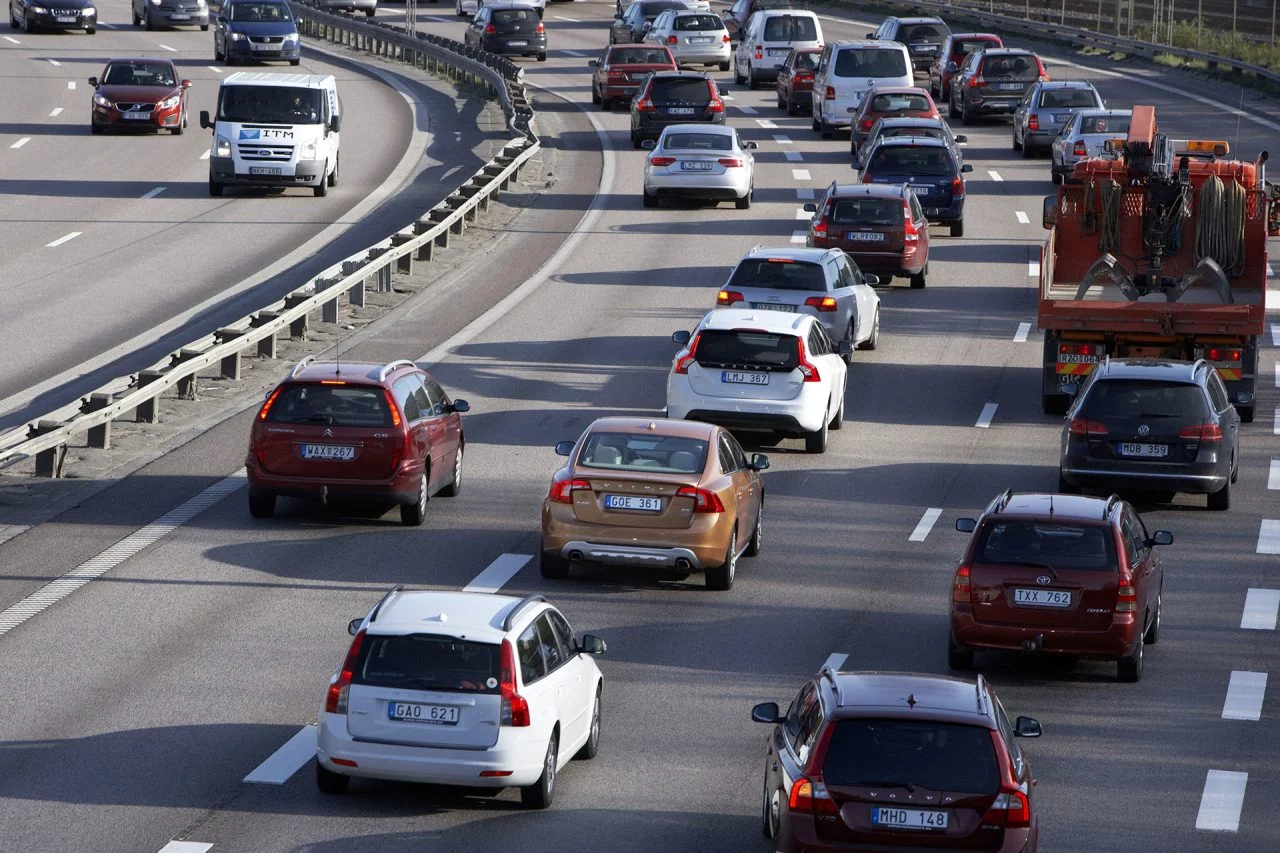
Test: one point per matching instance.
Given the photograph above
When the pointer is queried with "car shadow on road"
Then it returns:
(107, 189)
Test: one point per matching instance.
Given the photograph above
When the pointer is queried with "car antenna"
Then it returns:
(1050, 504)
(337, 357)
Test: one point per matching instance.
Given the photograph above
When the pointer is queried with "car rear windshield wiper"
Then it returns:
(1048, 568)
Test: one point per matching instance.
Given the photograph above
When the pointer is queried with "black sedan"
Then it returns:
(31, 15)
(508, 30)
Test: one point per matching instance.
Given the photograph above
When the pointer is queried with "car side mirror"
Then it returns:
(960, 137)
(951, 68)
(759, 462)
(1026, 727)
(353, 627)
(592, 645)
(564, 448)
(459, 406)
(335, 123)
(751, 146)
(221, 19)
(723, 90)
(967, 167)
(844, 348)
(871, 35)
(593, 63)
(810, 208)
(648, 144)
(681, 337)
(1244, 398)
(186, 84)
(204, 119)
(1160, 537)
(1049, 212)
(93, 81)
(966, 525)
(870, 279)
(766, 712)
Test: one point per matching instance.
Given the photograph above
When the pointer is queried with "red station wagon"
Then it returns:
(907, 101)
(882, 227)
(620, 69)
(1058, 574)
(359, 431)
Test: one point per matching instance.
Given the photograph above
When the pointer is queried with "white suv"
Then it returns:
(760, 371)
(461, 688)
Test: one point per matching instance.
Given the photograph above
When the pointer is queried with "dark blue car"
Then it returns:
(255, 31)
(929, 166)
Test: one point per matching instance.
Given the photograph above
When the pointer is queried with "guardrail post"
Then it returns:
(267, 345)
(381, 275)
(298, 328)
(48, 462)
(404, 263)
(442, 239)
(355, 293)
(230, 366)
(186, 385)
(149, 411)
(328, 308)
(100, 436)
(427, 250)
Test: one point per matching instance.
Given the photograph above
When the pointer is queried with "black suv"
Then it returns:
(922, 36)
(1152, 425)
(673, 97)
(884, 760)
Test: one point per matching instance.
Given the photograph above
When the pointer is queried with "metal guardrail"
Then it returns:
(46, 438)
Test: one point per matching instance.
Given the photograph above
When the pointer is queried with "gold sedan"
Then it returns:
(677, 495)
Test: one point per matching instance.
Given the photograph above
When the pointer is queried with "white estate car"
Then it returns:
(760, 371)
(461, 688)
(705, 161)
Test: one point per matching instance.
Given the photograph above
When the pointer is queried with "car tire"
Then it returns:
(837, 420)
(793, 108)
(753, 82)
(176, 131)
(649, 200)
(724, 66)
(959, 658)
(204, 28)
(262, 504)
(635, 140)
(368, 13)
(1220, 500)
(27, 26)
(217, 54)
(918, 279)
(591, 748)
(1065, 488)
(412, 514)
(738, 79)
(744, 203)
(1017, 146)
(455, 484)
(826, 130)
(755, 543)
(951, 108)
(874, 340)
(595, 94)
(816, 442)
(1129, 667)
(542, 57)
(231, 60)
(552, 565)
(1246, 414)
(542, 793)
(96, 129)
(215, 188)
(133, 13)
(1153, 630)
(295, 62)
(966, 115)
(1055, 404)
(1027, 151)
(1056, 177)
(147, 23)
(720, 578)
(332, 178)
(782, 102)
(957, 228)
(329, 782)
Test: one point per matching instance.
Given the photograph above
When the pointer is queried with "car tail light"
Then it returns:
(804, 75)
(645, 106)
(729, 162)
(672, 40)
(682, 363)
(957, 186)
(725, 38)
(1010, 808)
(515, 710)
(808, 368)
(822, 303)
(1202, 432)
(336, 701)
(1044, 72)
(759, 51)
(976, 81)
(1126, 595)
(617, 75)
(266, 407)
(866, 123)
(960, 588)
(728, 297)
(1081, 426)
(562, 490)
(820, 226)
(831, 92)
(1033, 122)
(661, 161)
(910, 232)
(395, 410)
(1079, 149)
(490, 30)
(716, 105)
(703, 499)
(1215, 354)
(811, 797)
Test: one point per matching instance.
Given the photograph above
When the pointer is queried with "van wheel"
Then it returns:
(215, 188)
(332, 180)
(540, 794)
(261, 504)
(720, 578)
(958, 657)
(816, 442)
(753, 81)
(825, 129)
(329, 782)
(1129, 667)
(321, 189)
(1221, 499)
(413, 513)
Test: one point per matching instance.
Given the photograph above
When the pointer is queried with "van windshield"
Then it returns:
(788, 28)
(259, 12)
(270, 104)
(871, 62)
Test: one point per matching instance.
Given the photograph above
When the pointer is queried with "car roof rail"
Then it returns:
(829, 673)
(521, 605)
(1199, 363)
(981, 689)
(394, 365)
(297, 368)
(1000, 503)
(394, 591)
(1111, 501)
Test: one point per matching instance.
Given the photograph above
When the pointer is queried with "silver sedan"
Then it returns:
(699, 161)
(1084, 136)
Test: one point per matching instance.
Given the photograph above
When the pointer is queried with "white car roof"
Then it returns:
(267, 78)
(774, 322)
(722, 129)
(790, 253)
(474, 615)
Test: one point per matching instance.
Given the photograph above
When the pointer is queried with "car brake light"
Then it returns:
(759, 51)
(811, 797)
(490, 30)
(1075, 349)
(266, 407)
(515, 710)
(831, 92)
(1033, 122)
(909, 231)
(1081, 426)
(1010, 808)
(716, 105)
(1126, 595)
(562, 490)
(703, 499)
(1079, 149)
(395, 410)
(866, 123)
(725, 38)
(1215, 354)
(682, 363)
(617, 75)
(820, 226)
(672, 40)
(960, 585)
(1044, 74)
(975, 82)
(822, 303)
(645, 106)
(728, 297)
(540, 29)
(957, 186)
(1202, 432)
(336, 701)
(661, 161)
(806, 367)
(729, 162)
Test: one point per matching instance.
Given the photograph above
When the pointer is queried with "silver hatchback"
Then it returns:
(1046, 108)
(694, 38)
(1085, 136)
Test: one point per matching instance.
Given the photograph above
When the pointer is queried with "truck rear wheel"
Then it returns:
(1056, 404)
(1246, 414)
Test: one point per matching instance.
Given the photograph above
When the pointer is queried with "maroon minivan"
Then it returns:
(356, 431)
(880, 226)
(1058, 574)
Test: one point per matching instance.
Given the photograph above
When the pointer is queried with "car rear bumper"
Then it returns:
(627, 91)
(503, 47)
(1117, 640)
(1193, 480)
(799, 836)
(726, 187)
(1038, 139)
(988, 104)
(651, 127)
(907, 262)
(703, 543)
(952, 212)
(402, 487)
(701, 55)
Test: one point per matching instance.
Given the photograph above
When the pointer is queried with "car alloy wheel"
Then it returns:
(720, 578)
(592, 747)
(540, 794)
(455, 485)
(412, 514)
(757, 533)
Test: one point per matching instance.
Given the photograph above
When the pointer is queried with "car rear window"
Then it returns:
(806, 61)
(331, 405)
(779, 274)
(258, 12)
(762, 350)
(638, 56)
(653, 10)
(1133, 398)
(866, 211)
(922, 33)
(698, 142)
(899, 103)
(680, 90)
(428, 662)
(698, 22)
(666, 454)
(790, 28)
(1059, 545)
(912, 160)
(964, 47)
(870, 62)
(930, 132)
(1118, 125)
(1067, 98)
(938, 756)
(1016, 66)
(514, 16)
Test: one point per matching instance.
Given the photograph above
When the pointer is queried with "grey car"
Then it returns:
(1046, 107)
(888, 127)
(1084, 136)
(992, 81)
(694, 38)
(170, 13)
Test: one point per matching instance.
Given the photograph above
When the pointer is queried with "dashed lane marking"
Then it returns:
(927, 521)
(748, 110)
(55, 63)
(65, 238)
(215, 69)
(573, 53)
(12, 40)
(55, 112)
(205, 155)
(1269, 537)
(1275, 424)
(170, 49)
(995, 176)
(21, 142)
(1221, 801)
(782, 139)
(1260, 609)
(498, 573)
(835, 660)
(1020, 336)
(800, 237)
(155, 192)
(793, 156)
(564, 18)
(801, 213)
(186, 847)
(286, 760)
(1023, 219)
(803, 175)
(1245, 692)
(71, 85)
(1033, 269)
(1275, 334)
(766, 123)
(988, 413)
(1273, 476)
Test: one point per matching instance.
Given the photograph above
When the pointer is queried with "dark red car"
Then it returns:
(882, 227)
(895, 762)
(795, 80)
(621, 69)
(146, 94)
(953, 51)
(356, 431)
(1058, 574)
(889, 101)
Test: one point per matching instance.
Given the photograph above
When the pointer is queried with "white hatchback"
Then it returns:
(760, 371)
(461, 688)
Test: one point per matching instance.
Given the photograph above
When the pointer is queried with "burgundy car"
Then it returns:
(621, 68)
(953, 51)
(882, 227)
(889, 102)
(140, 93)
(354, 431)
(795, 80)
(1058, 574)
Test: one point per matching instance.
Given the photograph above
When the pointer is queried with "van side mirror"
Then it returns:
(682, 337)
(1244, 398)
(335, 123)
(766, 712)
(1160, 537)
(204, 120)
(966, 525)
(648, 144)
(186, 84)
(967, 167)
(459, 406)
(592, 645)
(1026, 727)
(810, 208)
(1049, 212)
(564, 448)
(353, 627)
(93, 81)
(759, 462)
(961, 138)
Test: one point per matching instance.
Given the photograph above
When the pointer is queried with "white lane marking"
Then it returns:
(97, 566)
(835, 660)
(748, 110)
(1261, 607)
(9, 531)
(55, 63)
(205, 155)
(21, 142)
(1033, 269)
(65, 238)
(12, 40)
(1221, 801)
(1020, 336)
(988, 413)
(727, 98)
(215, 69)
(563, 18)
(1275, 424)
(995, 176)
(155, 192)
(496, 575)
(1245, 692)
(766, 124)
(793, 156)
(1273, 476)
(185, 846)
(782, 139)
(286, 760)
(800, 237)
(71, 84)
(803, 175)
(927, 521)
(804, 193)
(1023, 219)
(170, 49)
(801, 213)
(1277, 372)
(1270, 272)
(573, 53)
(1275, 334)
(1269, 537)
(57, 111)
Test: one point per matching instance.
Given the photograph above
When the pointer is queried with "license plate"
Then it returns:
(1042, 598)
(255, 46)
(864, 236)
(517, 44)
(65, 19)
(1062, 119)
(700, 40)
(1069, 358)
(264, 170)
(633, 502)
(909, 818)
(179, 17)
(135, 115)
(1010, 87)
(774, 306)
(933, 211)
(340, 452)
(782, 52)
(417, 712)
(1150, 451)
(744, 378)
(696, 165)
(680, 111)
(923, 48)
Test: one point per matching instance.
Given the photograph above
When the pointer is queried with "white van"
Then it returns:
(847, 70)
(275, 130)
(768, 37)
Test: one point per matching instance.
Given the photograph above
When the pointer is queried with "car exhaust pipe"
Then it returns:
(324, 496)
(683, 565)
(576, 556)
(1035, 644)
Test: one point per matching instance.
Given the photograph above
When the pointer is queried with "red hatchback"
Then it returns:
(372, 432)
(905, 101)
(620, 69)
(146, 94)
(795, 80)
(1058, 574)
(882, 227)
